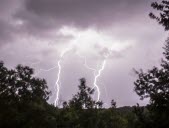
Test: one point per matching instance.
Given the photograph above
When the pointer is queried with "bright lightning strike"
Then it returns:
(99, 74)
(57, 86)
(96, 78)
(58, 83)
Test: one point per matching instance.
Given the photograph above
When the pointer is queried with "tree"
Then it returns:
(163, 9)
(23, 99)
(113, 104)
(81, 110)
(154, 85)
(23, 104)
(84, 112)
(83, 98)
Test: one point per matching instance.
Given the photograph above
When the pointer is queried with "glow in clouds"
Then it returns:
(88, 44)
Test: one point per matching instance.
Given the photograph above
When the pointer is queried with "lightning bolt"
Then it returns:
(96, 76)
(85, 63)
(99, 74)
(58, 83)
(96, 79)
(57, 86)
(45, 70)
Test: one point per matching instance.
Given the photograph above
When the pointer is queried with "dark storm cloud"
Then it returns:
(12, 26)
(40, 17)
(5, 32)
(80, 13)
(7, 23)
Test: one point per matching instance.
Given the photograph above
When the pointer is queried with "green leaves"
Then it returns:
(23, 104)
(163, 17)
(83, 99)
(154, 84)
(23, 98)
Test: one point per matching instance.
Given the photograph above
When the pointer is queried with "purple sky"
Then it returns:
(36, 32)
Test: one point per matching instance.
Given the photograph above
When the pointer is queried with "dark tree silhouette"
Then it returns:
(23, 104)
(22, 99)
(154, 85)
(113, 104)
(84, 112)
(163, 9)
(83, 98)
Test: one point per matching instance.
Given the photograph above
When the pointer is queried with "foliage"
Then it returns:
(163, 9)
(83, 112)
(23, 104)
(154, 85)
(22, 99)
(83, 98)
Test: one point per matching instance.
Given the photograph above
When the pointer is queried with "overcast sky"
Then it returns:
(37, 32)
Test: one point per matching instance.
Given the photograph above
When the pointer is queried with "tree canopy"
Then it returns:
(154, 84)
(23, 104)
(162, 16)
(23, 98)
